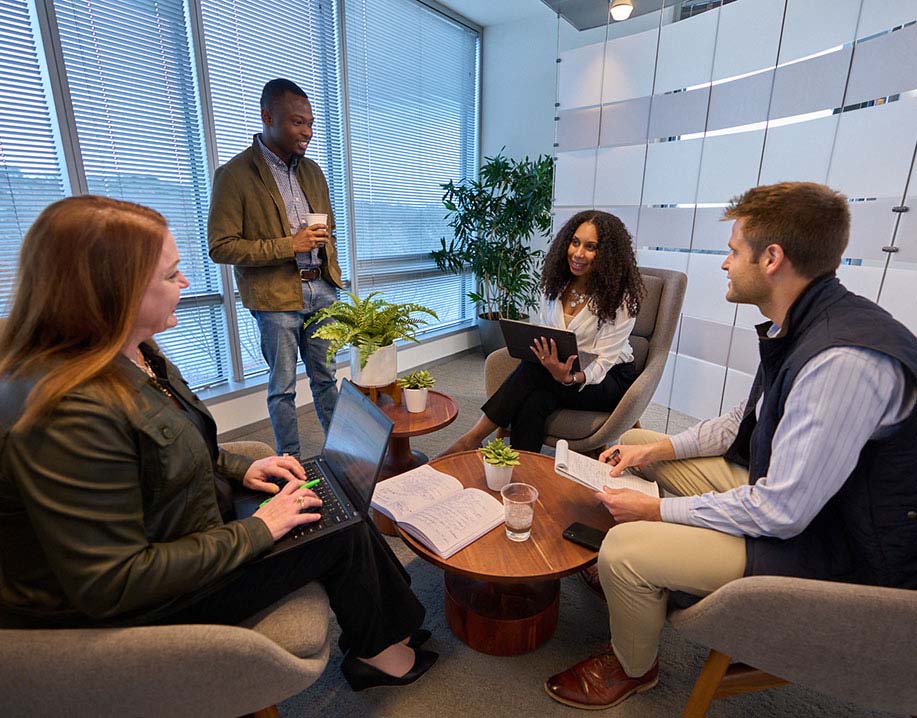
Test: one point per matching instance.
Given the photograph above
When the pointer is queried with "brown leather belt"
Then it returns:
(307, 275)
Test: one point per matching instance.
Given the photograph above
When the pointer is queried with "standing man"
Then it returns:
(812, 477)
(286, 269)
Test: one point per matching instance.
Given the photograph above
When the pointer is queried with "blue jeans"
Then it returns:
(282, 336)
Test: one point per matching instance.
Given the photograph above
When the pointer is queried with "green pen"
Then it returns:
(308, 485)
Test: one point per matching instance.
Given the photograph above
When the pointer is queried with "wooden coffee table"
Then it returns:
(502, 597)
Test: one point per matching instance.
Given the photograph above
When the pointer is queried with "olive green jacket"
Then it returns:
(110, 511)
(248, 228)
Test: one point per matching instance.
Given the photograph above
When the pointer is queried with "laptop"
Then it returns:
(348, 468)
(520, 338)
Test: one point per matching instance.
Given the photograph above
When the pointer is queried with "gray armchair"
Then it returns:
(855, 643)
(178, 670)
(589, 431)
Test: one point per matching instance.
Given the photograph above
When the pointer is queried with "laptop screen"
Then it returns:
(356, 442)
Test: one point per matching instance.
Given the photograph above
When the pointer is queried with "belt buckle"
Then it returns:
(307, 275)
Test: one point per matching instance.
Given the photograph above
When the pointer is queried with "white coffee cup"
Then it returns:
(315, 218)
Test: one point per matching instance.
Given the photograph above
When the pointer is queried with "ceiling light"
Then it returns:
(621, 9)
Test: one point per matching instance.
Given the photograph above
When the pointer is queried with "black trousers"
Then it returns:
(368, 589)
(530, 395)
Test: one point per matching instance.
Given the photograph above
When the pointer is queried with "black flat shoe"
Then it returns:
(361, 675)
(418, 638)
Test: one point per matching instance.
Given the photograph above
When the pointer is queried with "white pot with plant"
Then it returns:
(415, 386)
(370, 328)
(499, 460)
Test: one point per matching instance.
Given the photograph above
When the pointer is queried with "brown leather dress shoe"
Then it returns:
(598, 682)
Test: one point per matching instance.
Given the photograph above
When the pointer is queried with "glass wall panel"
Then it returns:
(744, 93)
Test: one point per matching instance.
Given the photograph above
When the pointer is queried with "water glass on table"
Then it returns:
(518, 510)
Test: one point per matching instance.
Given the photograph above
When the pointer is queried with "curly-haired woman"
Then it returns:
(592, 287)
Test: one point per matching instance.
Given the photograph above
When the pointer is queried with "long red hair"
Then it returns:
(84, 266)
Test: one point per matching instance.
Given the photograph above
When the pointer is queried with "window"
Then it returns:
(413, 118)
(243, 52)
(135, 104)
(150, 96)
(31, 171)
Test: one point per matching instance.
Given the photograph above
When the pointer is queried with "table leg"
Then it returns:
(501, 619)
(399, 458)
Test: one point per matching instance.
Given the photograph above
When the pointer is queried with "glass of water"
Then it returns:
(518, 510)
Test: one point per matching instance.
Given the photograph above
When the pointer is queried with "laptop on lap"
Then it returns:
(348, 469)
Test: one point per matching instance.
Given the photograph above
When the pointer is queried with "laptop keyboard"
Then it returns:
(331, 509)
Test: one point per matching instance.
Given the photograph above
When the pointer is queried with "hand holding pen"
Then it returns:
(625, 456)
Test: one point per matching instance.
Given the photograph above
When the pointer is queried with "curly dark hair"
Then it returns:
(615, 279)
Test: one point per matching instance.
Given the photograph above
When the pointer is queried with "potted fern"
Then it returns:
(415, 386)
(499, 460)
(370, 328)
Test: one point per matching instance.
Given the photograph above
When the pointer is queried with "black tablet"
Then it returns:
(520, 337)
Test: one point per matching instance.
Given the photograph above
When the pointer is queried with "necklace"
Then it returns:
(576, 298)
(145, 367)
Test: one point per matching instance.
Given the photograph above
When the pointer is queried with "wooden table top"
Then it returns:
(547, 554)
(441, 411)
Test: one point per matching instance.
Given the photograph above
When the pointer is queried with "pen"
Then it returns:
(307, 485)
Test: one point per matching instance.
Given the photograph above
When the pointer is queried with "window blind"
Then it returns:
(31, 171)
(414, 125)
(243, 52)
(135, 102)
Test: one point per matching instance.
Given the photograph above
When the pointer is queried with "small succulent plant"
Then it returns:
(421, 379)
(499, 454)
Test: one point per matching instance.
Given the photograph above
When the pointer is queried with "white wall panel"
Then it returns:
(619, 175)
(630, 65)
(580, 77)
(663, 391)
(665, 227)
(561, 215)
(799, 152)
(815, 25)
(738, 386)
(812, 85)
(729, 166)
(862, 280)
(744, 354)
(871, 226)
(697, 387)
(884, 66)
(706, 292)
(574, 178)
(661, 259)
(906, 237)
(748, 316)
(898, 297)
(686, 52)
(872, 155)
(748, 37)
(879, 15)
(627, 215)
(671, 172)
(710, 230)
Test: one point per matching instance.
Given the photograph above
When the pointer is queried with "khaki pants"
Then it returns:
(640, 562)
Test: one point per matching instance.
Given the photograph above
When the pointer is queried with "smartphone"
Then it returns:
(587, 536)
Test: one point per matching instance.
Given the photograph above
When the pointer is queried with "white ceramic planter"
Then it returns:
(415, 400)
(381, 368)
(497, 476)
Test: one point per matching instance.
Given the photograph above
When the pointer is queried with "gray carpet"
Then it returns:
(470, 684)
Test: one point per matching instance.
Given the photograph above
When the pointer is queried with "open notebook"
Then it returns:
(594, 474)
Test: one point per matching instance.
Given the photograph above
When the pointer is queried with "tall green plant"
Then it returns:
(492, 220)
(367, 324)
